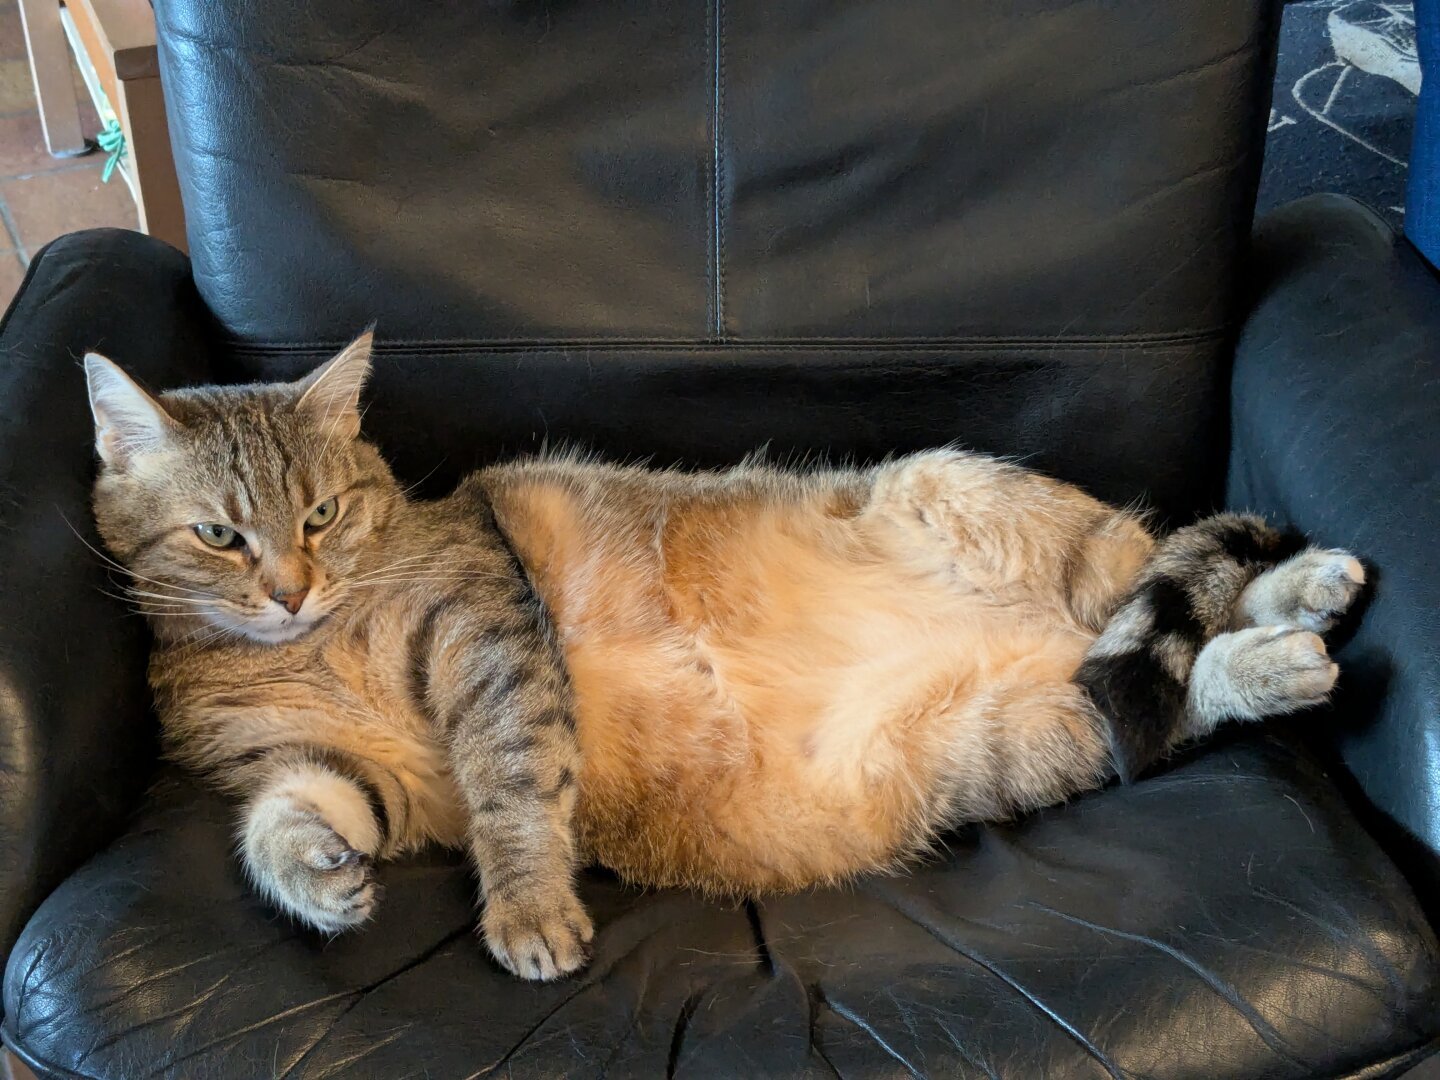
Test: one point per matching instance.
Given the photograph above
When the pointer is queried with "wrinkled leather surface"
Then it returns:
(1336, 399)
(736, 169)
(76, 736)
(1227, 918)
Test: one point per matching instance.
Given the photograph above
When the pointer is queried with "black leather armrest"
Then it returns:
(1336, 429)
(76, 738)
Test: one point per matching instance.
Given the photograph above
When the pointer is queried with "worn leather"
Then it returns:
(738, 169)
(1336, 392)
(1228, 918)
(682, 230)
(76, 734)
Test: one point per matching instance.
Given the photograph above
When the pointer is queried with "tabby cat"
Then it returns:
(741, 681)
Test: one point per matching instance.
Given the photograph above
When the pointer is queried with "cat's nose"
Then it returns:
(291, 601)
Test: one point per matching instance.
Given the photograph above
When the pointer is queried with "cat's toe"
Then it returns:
(1290, 670)
(1331, 582)
(346, 897)
(538, 941)
(341, 892)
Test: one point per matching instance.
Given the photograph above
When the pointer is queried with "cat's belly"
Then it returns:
(777, 689)
(831, 740)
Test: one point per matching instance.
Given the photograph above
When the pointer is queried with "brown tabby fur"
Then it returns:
(742, 681)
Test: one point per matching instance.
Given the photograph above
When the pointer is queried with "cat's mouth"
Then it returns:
(273, 625)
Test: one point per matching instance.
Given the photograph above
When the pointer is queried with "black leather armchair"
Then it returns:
(847, 227)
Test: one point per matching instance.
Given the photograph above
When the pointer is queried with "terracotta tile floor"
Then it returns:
(40, 196)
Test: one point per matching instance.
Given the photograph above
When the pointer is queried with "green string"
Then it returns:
(112, 141)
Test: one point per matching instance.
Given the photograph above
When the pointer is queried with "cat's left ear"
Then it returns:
(128, 422)
(331, 393)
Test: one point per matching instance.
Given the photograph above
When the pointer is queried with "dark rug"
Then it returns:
(1344, 103)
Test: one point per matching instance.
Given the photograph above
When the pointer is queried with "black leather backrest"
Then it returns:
(736, 170)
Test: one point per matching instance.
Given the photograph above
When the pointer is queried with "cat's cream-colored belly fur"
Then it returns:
(777, 691)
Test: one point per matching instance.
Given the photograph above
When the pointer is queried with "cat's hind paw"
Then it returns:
(1283, 670)
(1260, 672)
(1308, 592)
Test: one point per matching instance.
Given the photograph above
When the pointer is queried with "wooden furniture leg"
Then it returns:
(50, 68)
(119, 40)
(157, 190)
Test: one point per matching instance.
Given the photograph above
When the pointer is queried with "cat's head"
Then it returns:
(248, 509)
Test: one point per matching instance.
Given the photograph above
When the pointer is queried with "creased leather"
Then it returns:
(1227, 918)
(76, 734)
(736, 169)
(1336, 391)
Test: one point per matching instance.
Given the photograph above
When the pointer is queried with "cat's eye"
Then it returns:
(219, 536)
(323, 514)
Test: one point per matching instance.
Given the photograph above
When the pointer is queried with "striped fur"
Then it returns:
(742, 681)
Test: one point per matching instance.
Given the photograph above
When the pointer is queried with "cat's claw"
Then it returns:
(538, 940)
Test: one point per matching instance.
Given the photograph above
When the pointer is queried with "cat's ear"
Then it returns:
(331, 393)
(128, 421)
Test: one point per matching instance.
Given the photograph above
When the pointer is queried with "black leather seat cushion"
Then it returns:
(1226, 918)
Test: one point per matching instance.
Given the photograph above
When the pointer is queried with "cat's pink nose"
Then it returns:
(291, 601)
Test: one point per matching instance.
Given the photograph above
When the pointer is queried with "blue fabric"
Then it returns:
(1422, 191)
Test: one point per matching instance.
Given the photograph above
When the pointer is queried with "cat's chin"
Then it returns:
(281, 635)
(277, 632)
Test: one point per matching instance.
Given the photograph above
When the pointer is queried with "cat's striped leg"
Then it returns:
(313, 821)
(1025, 746)
(492, 678)
(1166, 669)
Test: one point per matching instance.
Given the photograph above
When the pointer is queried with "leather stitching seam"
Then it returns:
(717, 163)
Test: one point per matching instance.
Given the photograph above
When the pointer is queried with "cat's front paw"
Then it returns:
(537, 938)
(310, 870)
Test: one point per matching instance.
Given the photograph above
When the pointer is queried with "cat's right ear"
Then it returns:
(128, 421)
(330, 395)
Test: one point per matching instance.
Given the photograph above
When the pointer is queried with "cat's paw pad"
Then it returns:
(1310, 591)
(540, 940)
(314, 873)
(1281, 670)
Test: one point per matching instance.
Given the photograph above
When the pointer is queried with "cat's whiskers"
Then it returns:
(392, 566)
(405, 492)
(410, 579)
(426, 571)
(208, 600)
(143, 607)
(216, 632)
(122, 568)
